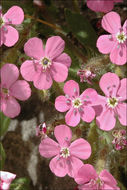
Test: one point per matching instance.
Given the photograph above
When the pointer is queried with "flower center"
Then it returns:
(5, 91)
(76, 103)
(121, 37)
(97, 182)
(46, 63)
(112, 102)
(65, 152)
(1, 22)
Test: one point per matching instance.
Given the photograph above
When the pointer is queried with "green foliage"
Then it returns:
(20, 184)
(93, 140)
(27, 6)
(4, 123)
(105, 137)
(2, 156)
(81, 28)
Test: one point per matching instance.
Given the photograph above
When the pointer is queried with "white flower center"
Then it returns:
(112, 102)
(46, 63)
(76, 103)
(121, 37)
(65, 153)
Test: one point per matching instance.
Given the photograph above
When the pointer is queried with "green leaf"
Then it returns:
(2, 156)
(81, 28)
(20, 184)
(4, 123)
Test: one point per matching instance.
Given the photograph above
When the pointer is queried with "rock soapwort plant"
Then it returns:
(93, 93)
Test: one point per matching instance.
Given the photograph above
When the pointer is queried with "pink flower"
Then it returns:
(116, 42)
(11, 88)
(78, 105)
(112, 103)
(47, 64)
(120, 140)
(6, 179)
(88, 179)
(102, 5)
(9, 35)
(66, 155)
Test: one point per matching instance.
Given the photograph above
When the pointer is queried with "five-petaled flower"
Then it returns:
(102, 5)
(66, 155)
(6, 179)
(8, 34)
(116, 42)
(88, 179)
(11, 88)
(47, 64)
(113, 105)
(78, 105)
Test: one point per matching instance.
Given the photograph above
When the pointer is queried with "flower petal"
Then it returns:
(10, 107)
(111, 187)
(109, 84)
(125, 27)
(87, 114)
(107, 178)
(85, 174)
(80, 148)
(64, 59)
(61, 104)
(73, 165)
(8, 79)
(111, 22)
(71, 88)
(54, 47)
(58, 166)
(48, 148)
(72, 117)
(122, 113)
(1, 36)
(105, 44)
(7, 176)
(20, 90)
(43, 80)
(90, 96)
(15, 15)
(59, 72)
(106, 121)
(28, 70)
(122, 92)
(101, 5)
(34, 48)
(118, 54)
(11, 36)
(63, 135)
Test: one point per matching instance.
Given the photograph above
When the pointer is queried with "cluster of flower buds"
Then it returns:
(41, 131)
(86, 75)
(119, 140)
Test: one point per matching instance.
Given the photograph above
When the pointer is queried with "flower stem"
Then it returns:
(44, 22)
